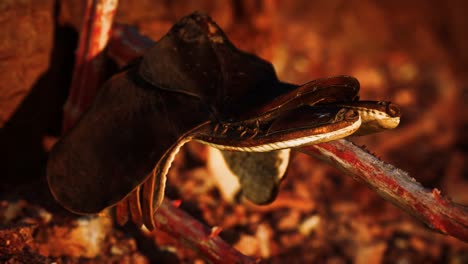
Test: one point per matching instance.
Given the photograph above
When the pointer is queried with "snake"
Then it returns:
(195, 85)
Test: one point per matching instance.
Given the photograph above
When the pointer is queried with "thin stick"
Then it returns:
(204, 240)
(87, 74)
(396, 186)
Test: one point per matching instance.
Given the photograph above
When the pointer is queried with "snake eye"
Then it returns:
(393, 110)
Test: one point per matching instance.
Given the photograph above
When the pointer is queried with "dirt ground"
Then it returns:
(413, 53)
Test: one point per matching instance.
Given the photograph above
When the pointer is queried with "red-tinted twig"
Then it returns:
(396, 186)
(126, 44)
(87, 74)
(393, 184)
(203, 239)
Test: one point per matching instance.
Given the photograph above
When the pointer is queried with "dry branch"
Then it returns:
(204, 240)
(396, 186)
(88, 69)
